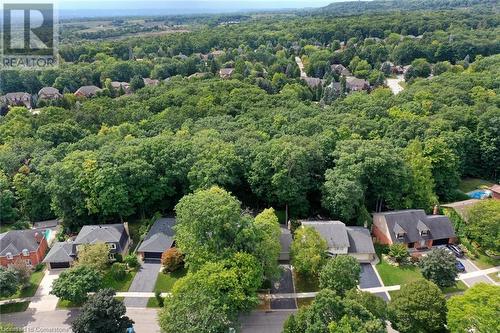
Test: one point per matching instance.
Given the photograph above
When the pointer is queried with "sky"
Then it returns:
(75, 8)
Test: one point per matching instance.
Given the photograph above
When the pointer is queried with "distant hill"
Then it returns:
(357, 7)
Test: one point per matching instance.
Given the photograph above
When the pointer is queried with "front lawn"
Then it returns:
(302, 302)
(63, 304)
(152, 303)
(485, 262)
(14, 307)
(118, 285)
(165, 282)
(305, 284)
(494, 276)
(397, 275)
(30, 290)
(459, 287)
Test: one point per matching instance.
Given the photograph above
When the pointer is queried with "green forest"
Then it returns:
(264, 134)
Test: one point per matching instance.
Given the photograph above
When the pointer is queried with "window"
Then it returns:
(28, 262)
(26, 252)
(112, 246)
(400, 235)
(9, 256)
(424, 232)
(111, 256)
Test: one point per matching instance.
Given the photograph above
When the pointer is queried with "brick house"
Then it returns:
(28, 245)
(413, 228)
(495, 190)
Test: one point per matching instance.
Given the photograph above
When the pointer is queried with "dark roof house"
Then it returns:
(313, 82)
(61, 255)
(226, 73)
(49, 93)
(413, 228)
(355, 84)
(159, 238)
(341, 239)
(17, 99)
(87, 91)
(29, 245)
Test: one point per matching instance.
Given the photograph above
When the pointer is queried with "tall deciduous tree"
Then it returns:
(419, 307)
(308, 251)
(209, 226)
(102, 313)
(340, 274)
(476, 310)
(483, 225)
(268, 247)
(74, 284)
(95, 256)
(8, 282)
(439, 267)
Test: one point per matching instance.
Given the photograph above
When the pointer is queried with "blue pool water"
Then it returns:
(479, 194)
(48, 232)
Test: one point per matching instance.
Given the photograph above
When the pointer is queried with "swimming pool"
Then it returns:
(47, 233)
(479, 194)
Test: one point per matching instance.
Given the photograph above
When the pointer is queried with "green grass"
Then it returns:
(63, 304)
(305, 284)
(30, 290)
(5, 228)
(392, 275)
(110, 282)
(165, 282)
(471, 184)
(152, 303)
(494, 277)
(485, 262)
(302, 302)
(14, 307)
(459, 287)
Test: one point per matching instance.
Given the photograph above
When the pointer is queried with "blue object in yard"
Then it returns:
(460, 267)
(479, 194)
(130, 329)
(47, 233)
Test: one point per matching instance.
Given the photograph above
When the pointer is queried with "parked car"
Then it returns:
(460, 267)
(456, 250)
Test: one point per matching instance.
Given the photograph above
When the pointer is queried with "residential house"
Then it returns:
(49, 93)
(355, 84)
(199, 75)
(313, 82)
(345, 240)
(115, 236)
(226, 73)
(495, 190)
(285, 243)
(460, 207)
(159, 239)
(17, 99)
(413, 228)
(151, 82)
(339, 69)
(125, 86)
(216, 53)
(29, 245)
(87, 91)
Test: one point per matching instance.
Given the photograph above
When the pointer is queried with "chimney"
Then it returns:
(289, 225)
(38, 237)
(125, 225)
(436, 210)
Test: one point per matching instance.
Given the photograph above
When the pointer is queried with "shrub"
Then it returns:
(172, 259)
(118, 257)
(340, 274)
(159, 299)
(39, 267)
(399, 253)
(131, 261)
(23, 272)
(119, 271)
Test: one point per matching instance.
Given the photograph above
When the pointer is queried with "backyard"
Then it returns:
(471, 184)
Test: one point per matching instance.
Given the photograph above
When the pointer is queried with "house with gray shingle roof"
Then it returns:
(115, 236)
(413, 227)
(341, 239)
(87, 91)
(49, 93)
(159, 239)
(29, 245)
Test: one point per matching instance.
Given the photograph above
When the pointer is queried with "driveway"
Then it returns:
(264, 321)
(469, 265)
(42, 300)
(144, 281)
(394, 85)
(284, 286)
(477, 279)
(369, 279)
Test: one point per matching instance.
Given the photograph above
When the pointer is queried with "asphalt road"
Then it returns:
(283, 286)
(368, 278)
(144, 280)
(60, 320)
(264, 322)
